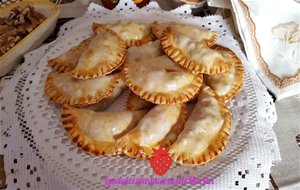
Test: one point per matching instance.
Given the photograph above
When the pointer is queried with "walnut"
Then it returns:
(18, 24)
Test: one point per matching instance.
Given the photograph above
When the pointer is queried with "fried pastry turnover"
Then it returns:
(161, 81)
(144, 52)
(63, 89)
(192, 55)
(158, 128)
(134, 102)
(205, 133)
(96, 132)
(133, 33)
(198, 34)
(227, 84)
(107, 102)
(105, 53)
(68, 60)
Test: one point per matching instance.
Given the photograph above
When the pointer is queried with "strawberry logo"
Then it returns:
(160, 161)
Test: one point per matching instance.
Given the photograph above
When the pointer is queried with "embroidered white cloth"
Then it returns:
(39, 155)
(270, 31)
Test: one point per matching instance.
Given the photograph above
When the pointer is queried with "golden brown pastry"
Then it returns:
(133, 33)
(68, 60)
(158, 128)
(95, 132)
(161, 81)
(63, 89)
(205, 133)
(144, 52)
(105, 53)
(192, 55)
(107, 102)
(227, 84)
(135, 102)
(198, 34)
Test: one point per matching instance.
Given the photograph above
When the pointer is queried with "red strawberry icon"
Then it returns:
(160, 161)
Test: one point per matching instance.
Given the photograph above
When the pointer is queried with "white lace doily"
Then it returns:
(38, 154)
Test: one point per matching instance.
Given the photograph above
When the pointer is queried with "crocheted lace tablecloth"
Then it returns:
(38, 154)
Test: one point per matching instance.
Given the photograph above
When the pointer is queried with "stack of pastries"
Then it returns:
(165, 66)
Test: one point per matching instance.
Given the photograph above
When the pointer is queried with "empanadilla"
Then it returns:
(205, 133)
(161, 81)
(192, 55)
(105, 53)
(63, 89)
(144, 52)
(95, 132)
(227, 84)
(68, 60)
(106, 102)
(158, 128)
(134, 102)
(133, 33)
(198, 34)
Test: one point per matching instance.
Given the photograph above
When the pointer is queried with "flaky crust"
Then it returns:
(57, 95)
(157, 31)
(127, 146)
(131, 42)
(71, 122)
(236, 85)
(68, 61)
(107, 102)
(107, 68)
(135, 102)
(180, 96)
(215, 147)
(146, 39)
(178, 55)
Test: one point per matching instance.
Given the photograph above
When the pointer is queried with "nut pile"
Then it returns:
(18, 24)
